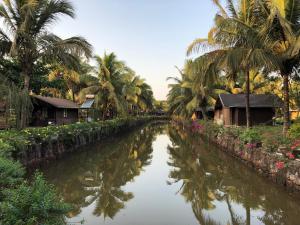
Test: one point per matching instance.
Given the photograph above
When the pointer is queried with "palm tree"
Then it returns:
(138, 93)
(238, 43)
(109, 86)
(28, 40)
(282, 26)
(180, 97)
(70, 77)
(146, 99)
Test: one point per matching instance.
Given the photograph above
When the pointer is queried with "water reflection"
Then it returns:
(163, 175)
(100, 174)
(212, 180)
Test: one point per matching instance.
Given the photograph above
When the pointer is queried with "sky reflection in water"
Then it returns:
(160, 175)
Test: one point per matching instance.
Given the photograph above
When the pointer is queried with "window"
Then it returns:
(65, 113)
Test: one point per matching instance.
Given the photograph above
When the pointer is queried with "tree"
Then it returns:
(28, 40)
(108, 88)
(238, 43)
(138, 93)
(281, 25)
(33, 204)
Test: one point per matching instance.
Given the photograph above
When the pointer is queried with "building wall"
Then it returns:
(258, 116)
(222, 116)
(227, 116)
(237, 116)
(218, 118)
(71, 116)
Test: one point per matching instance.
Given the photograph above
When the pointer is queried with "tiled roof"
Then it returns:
(256, 101)
(57, 102)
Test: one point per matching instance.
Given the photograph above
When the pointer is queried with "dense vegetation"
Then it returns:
(253, 48)
(35, 61)
(36, 202)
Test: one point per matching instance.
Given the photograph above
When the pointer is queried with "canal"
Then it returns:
(161, 175)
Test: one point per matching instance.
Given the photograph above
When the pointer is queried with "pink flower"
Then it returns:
(251, 146)
(280, 165)
(290, 155)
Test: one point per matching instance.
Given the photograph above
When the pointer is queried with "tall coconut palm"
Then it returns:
(138, 93)
(108, 88)
(28, 40)
(146, 99)
(238, 43)
(281, 26)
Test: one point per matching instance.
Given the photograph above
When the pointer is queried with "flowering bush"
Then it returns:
(290, 155)
(251, 146)
(197, 127)
(280, 165)
(14, 141)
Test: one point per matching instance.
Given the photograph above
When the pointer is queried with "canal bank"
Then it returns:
(34, 146)
(161, 174)
(276, 165)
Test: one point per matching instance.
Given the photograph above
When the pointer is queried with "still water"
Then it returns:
(161, 175)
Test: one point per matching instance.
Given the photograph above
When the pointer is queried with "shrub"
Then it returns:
(250, 136)
(295, 131)
(33, 204)
(273, 140)
(11, 173)
(5, 149)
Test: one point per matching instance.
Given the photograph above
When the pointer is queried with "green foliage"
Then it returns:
(18, 141)
(11, 174)
(251, 136)
(32, 204)
(294, 131)
(5, 149)
(25, 203)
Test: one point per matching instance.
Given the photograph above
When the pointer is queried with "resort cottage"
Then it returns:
(230, 109)
(56, 111)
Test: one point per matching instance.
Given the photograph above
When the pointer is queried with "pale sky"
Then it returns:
(151, 36)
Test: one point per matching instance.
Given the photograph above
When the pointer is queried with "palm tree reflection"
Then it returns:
(98, 176)
(208, 178)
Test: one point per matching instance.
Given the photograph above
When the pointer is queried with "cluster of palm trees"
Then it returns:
(116, 88)
(249, 36)
(28, 43)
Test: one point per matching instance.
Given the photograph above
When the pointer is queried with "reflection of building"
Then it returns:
(53, 111)
(230, 109)
(88, 111)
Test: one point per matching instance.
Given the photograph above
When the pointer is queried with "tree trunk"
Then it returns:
(247, 95)
(23, 108)
(286, 107)
(73, 96)
(248, 215)
(203, 111)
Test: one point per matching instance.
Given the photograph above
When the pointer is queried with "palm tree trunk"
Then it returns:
(203, 111)
(23, 108)
(73, 96)
(286, 107)
(248, 215)
(247, 95)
